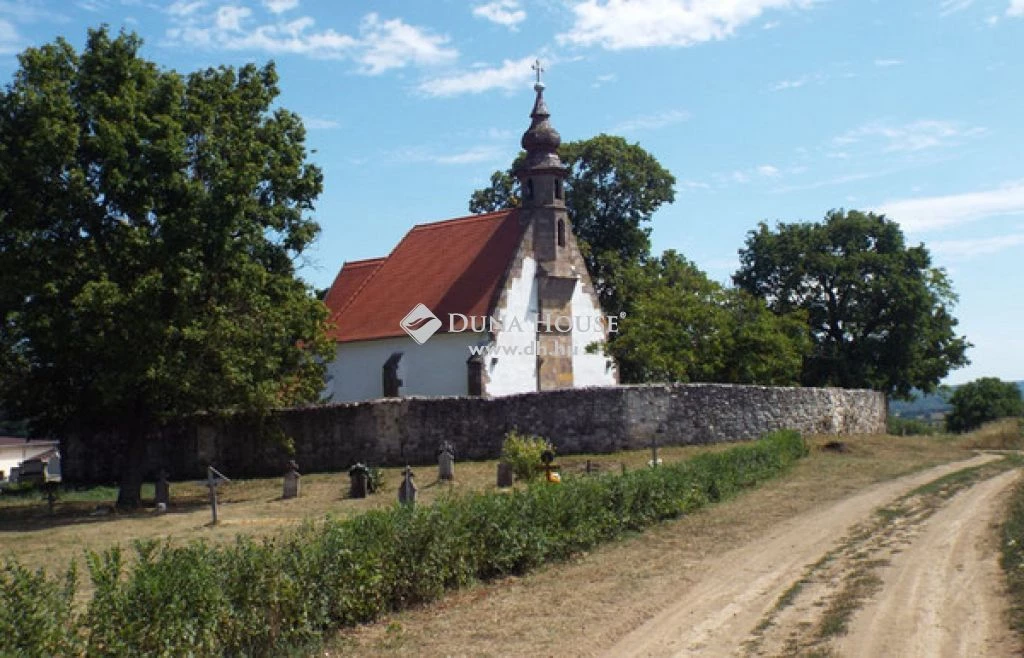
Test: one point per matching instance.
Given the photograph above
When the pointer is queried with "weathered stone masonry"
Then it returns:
(404, 431)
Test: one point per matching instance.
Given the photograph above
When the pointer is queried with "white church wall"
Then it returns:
(589, 369)
(438, 367)
(512, 364)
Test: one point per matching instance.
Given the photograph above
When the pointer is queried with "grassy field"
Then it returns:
(85, 520)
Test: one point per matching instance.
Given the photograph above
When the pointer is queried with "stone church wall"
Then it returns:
(408, 430)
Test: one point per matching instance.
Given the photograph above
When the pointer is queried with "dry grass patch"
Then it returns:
(1005, 434)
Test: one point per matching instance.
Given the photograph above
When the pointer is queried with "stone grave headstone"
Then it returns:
(359, 476)
(163, 490)
(407, 490)
(291, 481)
(446, 461)
(504, 474)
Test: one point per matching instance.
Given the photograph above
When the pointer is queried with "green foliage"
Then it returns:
(375, 479)
(1012, 558)
(982, 400)
(612, 191)
(150, 223)
(684, 327)
(522, 452)
(878, 312)
(36, 613)
(910, 427)
(262, 598)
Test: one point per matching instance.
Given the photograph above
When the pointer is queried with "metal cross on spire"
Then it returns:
(538, 69)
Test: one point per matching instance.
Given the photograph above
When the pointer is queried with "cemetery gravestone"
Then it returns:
(407, 490)
(358, 477)
(163, 490)
(504, 474)
(446, 461)
(291, 481)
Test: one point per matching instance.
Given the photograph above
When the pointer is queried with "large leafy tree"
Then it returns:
(685, 327)
(984, 399)
(149, 223)
(879, 313)
(612, 190)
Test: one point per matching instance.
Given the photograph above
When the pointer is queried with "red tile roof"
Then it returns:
(454, 266)
(350, 278)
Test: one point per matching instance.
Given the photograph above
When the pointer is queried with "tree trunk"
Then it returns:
(129, 494)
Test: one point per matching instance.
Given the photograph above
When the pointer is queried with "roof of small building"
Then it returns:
(452, 266)
(22, 442)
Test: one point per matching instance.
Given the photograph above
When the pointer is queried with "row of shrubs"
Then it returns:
(1013, 557)
(264, 597)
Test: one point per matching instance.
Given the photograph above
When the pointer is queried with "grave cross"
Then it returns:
(213, 477)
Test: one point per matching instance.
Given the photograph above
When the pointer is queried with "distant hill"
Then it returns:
(924, 405)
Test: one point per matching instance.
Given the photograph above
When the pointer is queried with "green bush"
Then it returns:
(910, 427)
(36, 613)
(269, 597)
(982, 400)
(1012, 558)
(522, 452)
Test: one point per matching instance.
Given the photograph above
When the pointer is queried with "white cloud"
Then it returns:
(394, 44)
(471, 156)
(974, 247)
(624, 24)
(909, 137)
(280, 6)
(768, 171)
(947, 7)
(1016, 8)
(511, 74)
(796, 83)
(315, 123)
(885, 63)
(502, 12)
(10, 41)
(184, 8)
(229, 17)
(381, 45)
(938, 212)
(652, 121)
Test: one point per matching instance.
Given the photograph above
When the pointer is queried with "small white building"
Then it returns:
(14, 451)
(490, 305)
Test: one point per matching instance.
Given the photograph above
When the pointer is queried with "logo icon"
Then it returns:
(420, 323)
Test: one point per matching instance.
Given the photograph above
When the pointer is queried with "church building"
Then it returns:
(489, 305)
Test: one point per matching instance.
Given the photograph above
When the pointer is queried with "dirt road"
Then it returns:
(939, 596)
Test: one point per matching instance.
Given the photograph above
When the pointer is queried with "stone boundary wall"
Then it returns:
(403, 431)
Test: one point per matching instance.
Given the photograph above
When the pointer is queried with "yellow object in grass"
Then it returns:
(554, 477)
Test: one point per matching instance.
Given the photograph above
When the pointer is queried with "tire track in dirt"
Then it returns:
(943, 595)
(736, 589)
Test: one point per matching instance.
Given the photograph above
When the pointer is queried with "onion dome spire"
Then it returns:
(541, 140)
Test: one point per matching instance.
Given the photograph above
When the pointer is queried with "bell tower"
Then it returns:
(542, 188)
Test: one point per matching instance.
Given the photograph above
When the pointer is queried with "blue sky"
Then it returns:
(773, 110)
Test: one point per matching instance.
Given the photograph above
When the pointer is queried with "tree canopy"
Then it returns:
(149, 223)
(612, 191)
(984, 399)
(879, 314)
(684, 327)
